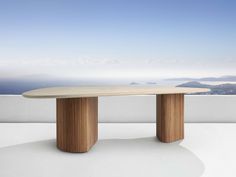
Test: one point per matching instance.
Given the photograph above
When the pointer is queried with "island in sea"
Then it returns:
(225, 85)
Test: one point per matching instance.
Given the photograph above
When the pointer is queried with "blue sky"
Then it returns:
(118, 38)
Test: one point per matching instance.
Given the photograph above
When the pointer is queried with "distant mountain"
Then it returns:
(143, 83)
(134, 83)
(221, 89)
(194, 84)
(223, 78)
(151, 83)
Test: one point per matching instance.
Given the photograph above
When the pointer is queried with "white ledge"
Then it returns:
(198, 108)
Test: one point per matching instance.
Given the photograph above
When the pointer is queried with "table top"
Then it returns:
(95, 91)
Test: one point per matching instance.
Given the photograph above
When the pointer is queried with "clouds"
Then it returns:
(91, 67)
(62, 67)
(113, 39)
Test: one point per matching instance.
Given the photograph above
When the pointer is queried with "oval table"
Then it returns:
(77, 111)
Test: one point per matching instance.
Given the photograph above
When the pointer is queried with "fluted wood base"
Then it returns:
(170, 117)
(77, 123)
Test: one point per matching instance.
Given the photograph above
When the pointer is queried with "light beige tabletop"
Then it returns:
(95, 91)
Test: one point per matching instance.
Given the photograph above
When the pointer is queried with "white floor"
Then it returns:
(123, 150)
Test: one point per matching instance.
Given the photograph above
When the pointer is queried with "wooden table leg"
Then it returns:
(77, 123)
(170, 117)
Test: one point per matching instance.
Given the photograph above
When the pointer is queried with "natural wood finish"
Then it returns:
(77, 123)
(77, 111)
(95, 91)
(170, 117)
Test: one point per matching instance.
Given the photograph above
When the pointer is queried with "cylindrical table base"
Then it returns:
(170, 117)
(77, 123)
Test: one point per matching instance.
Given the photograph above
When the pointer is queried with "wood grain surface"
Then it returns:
(170, 117)
(77, 123)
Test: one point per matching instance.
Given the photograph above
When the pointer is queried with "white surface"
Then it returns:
(19, 109)
(95, 91)
(123, 150)
(121, 109)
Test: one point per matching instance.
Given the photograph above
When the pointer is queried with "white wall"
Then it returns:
(121, 109)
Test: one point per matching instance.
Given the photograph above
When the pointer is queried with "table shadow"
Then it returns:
(139, 157)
